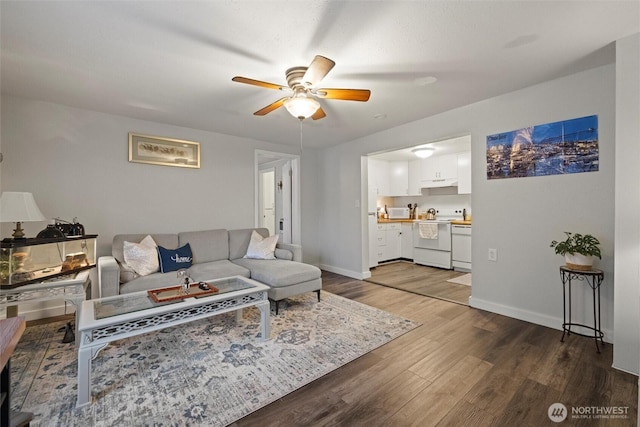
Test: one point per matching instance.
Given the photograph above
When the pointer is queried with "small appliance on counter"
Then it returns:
(398, 213)
(431, 214)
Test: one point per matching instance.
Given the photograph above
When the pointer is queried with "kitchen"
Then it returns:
(419, 209)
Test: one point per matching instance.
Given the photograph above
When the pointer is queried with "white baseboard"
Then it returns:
(343, 272)
(527, 316)
(627, 371)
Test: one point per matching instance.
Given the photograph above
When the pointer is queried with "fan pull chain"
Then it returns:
(301, 137)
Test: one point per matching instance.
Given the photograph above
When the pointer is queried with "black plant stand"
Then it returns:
(593, 278)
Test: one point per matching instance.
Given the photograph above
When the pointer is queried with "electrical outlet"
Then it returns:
(493, 254)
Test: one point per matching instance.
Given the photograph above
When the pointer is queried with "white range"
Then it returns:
(432, 239)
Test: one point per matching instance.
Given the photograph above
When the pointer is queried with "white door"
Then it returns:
(267, 184)
(287, 193)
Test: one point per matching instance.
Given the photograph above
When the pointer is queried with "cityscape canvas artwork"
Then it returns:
(569, 146)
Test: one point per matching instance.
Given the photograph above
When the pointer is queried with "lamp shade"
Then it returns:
(19, 207)
(301, 107)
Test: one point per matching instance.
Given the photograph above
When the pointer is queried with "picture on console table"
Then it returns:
(156, 150)
(569, 146)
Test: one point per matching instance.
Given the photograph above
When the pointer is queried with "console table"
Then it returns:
(593, 278)
(70, 288)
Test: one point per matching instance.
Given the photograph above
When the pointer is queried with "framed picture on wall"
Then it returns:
(558, 148)
(156, 150)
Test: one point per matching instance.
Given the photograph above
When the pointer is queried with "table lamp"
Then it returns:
(19, 207)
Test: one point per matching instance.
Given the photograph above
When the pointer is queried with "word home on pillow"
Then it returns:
(175, 259)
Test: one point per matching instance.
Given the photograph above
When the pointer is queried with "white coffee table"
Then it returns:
(105, 320)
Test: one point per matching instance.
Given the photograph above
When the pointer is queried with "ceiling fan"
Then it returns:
(301, 82)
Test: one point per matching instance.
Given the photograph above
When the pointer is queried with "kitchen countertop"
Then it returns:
(387, 221)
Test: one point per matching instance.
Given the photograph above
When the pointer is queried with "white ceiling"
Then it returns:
(172, 62)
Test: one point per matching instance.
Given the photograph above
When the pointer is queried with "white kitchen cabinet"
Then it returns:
(389, 241)
(464, 173)
(439, 171)
(439, 167)
(378, 175)
(373, 237)
(398, 178)
(394, 240)
(414, 177)
(381, 242)
(406, 250)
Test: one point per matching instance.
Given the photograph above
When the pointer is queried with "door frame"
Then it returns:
(261, 196)
(263, 156)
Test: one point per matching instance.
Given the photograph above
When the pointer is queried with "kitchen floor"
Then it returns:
(423, 280)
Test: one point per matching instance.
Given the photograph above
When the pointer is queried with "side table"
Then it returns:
(593, 278)
(70, 288)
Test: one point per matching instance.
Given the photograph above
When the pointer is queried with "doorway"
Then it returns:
(267, 199)
(277, 204)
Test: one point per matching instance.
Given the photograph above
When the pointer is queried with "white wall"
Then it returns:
(519, 217)
(626, 349)
(75, 162)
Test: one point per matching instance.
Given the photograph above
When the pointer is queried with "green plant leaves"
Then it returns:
(586, 245)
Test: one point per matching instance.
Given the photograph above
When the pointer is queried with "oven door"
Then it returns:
(441, 243)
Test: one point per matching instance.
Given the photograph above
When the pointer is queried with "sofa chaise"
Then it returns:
(215, 254)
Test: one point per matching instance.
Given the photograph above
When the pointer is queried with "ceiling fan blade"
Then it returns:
(269, 108)
(319, 114)
(320, 67)
(361, 95)
(258, 83)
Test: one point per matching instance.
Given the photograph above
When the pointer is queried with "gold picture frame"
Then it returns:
(156, 150)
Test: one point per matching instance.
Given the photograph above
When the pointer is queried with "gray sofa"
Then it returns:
(216, 254)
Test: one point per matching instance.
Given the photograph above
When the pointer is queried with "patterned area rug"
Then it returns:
(205, 373)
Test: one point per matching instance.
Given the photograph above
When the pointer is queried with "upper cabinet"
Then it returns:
(404, 178)
(379, 176)
(414, 177)
(394, 178)
(464, 173)
(398, 178)
(439, 171)
(407, 178)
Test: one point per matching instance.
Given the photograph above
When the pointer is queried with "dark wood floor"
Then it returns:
(419, 279)
(462, 367)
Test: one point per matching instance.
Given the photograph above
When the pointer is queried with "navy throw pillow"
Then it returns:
(175, 259)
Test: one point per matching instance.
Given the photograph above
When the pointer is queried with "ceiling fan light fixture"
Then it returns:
(302, 81)
(423, 152)
(301, 107)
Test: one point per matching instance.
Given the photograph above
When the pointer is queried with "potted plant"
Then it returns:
(579, 250)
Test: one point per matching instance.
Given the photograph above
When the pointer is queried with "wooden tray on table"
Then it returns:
(172, 293)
